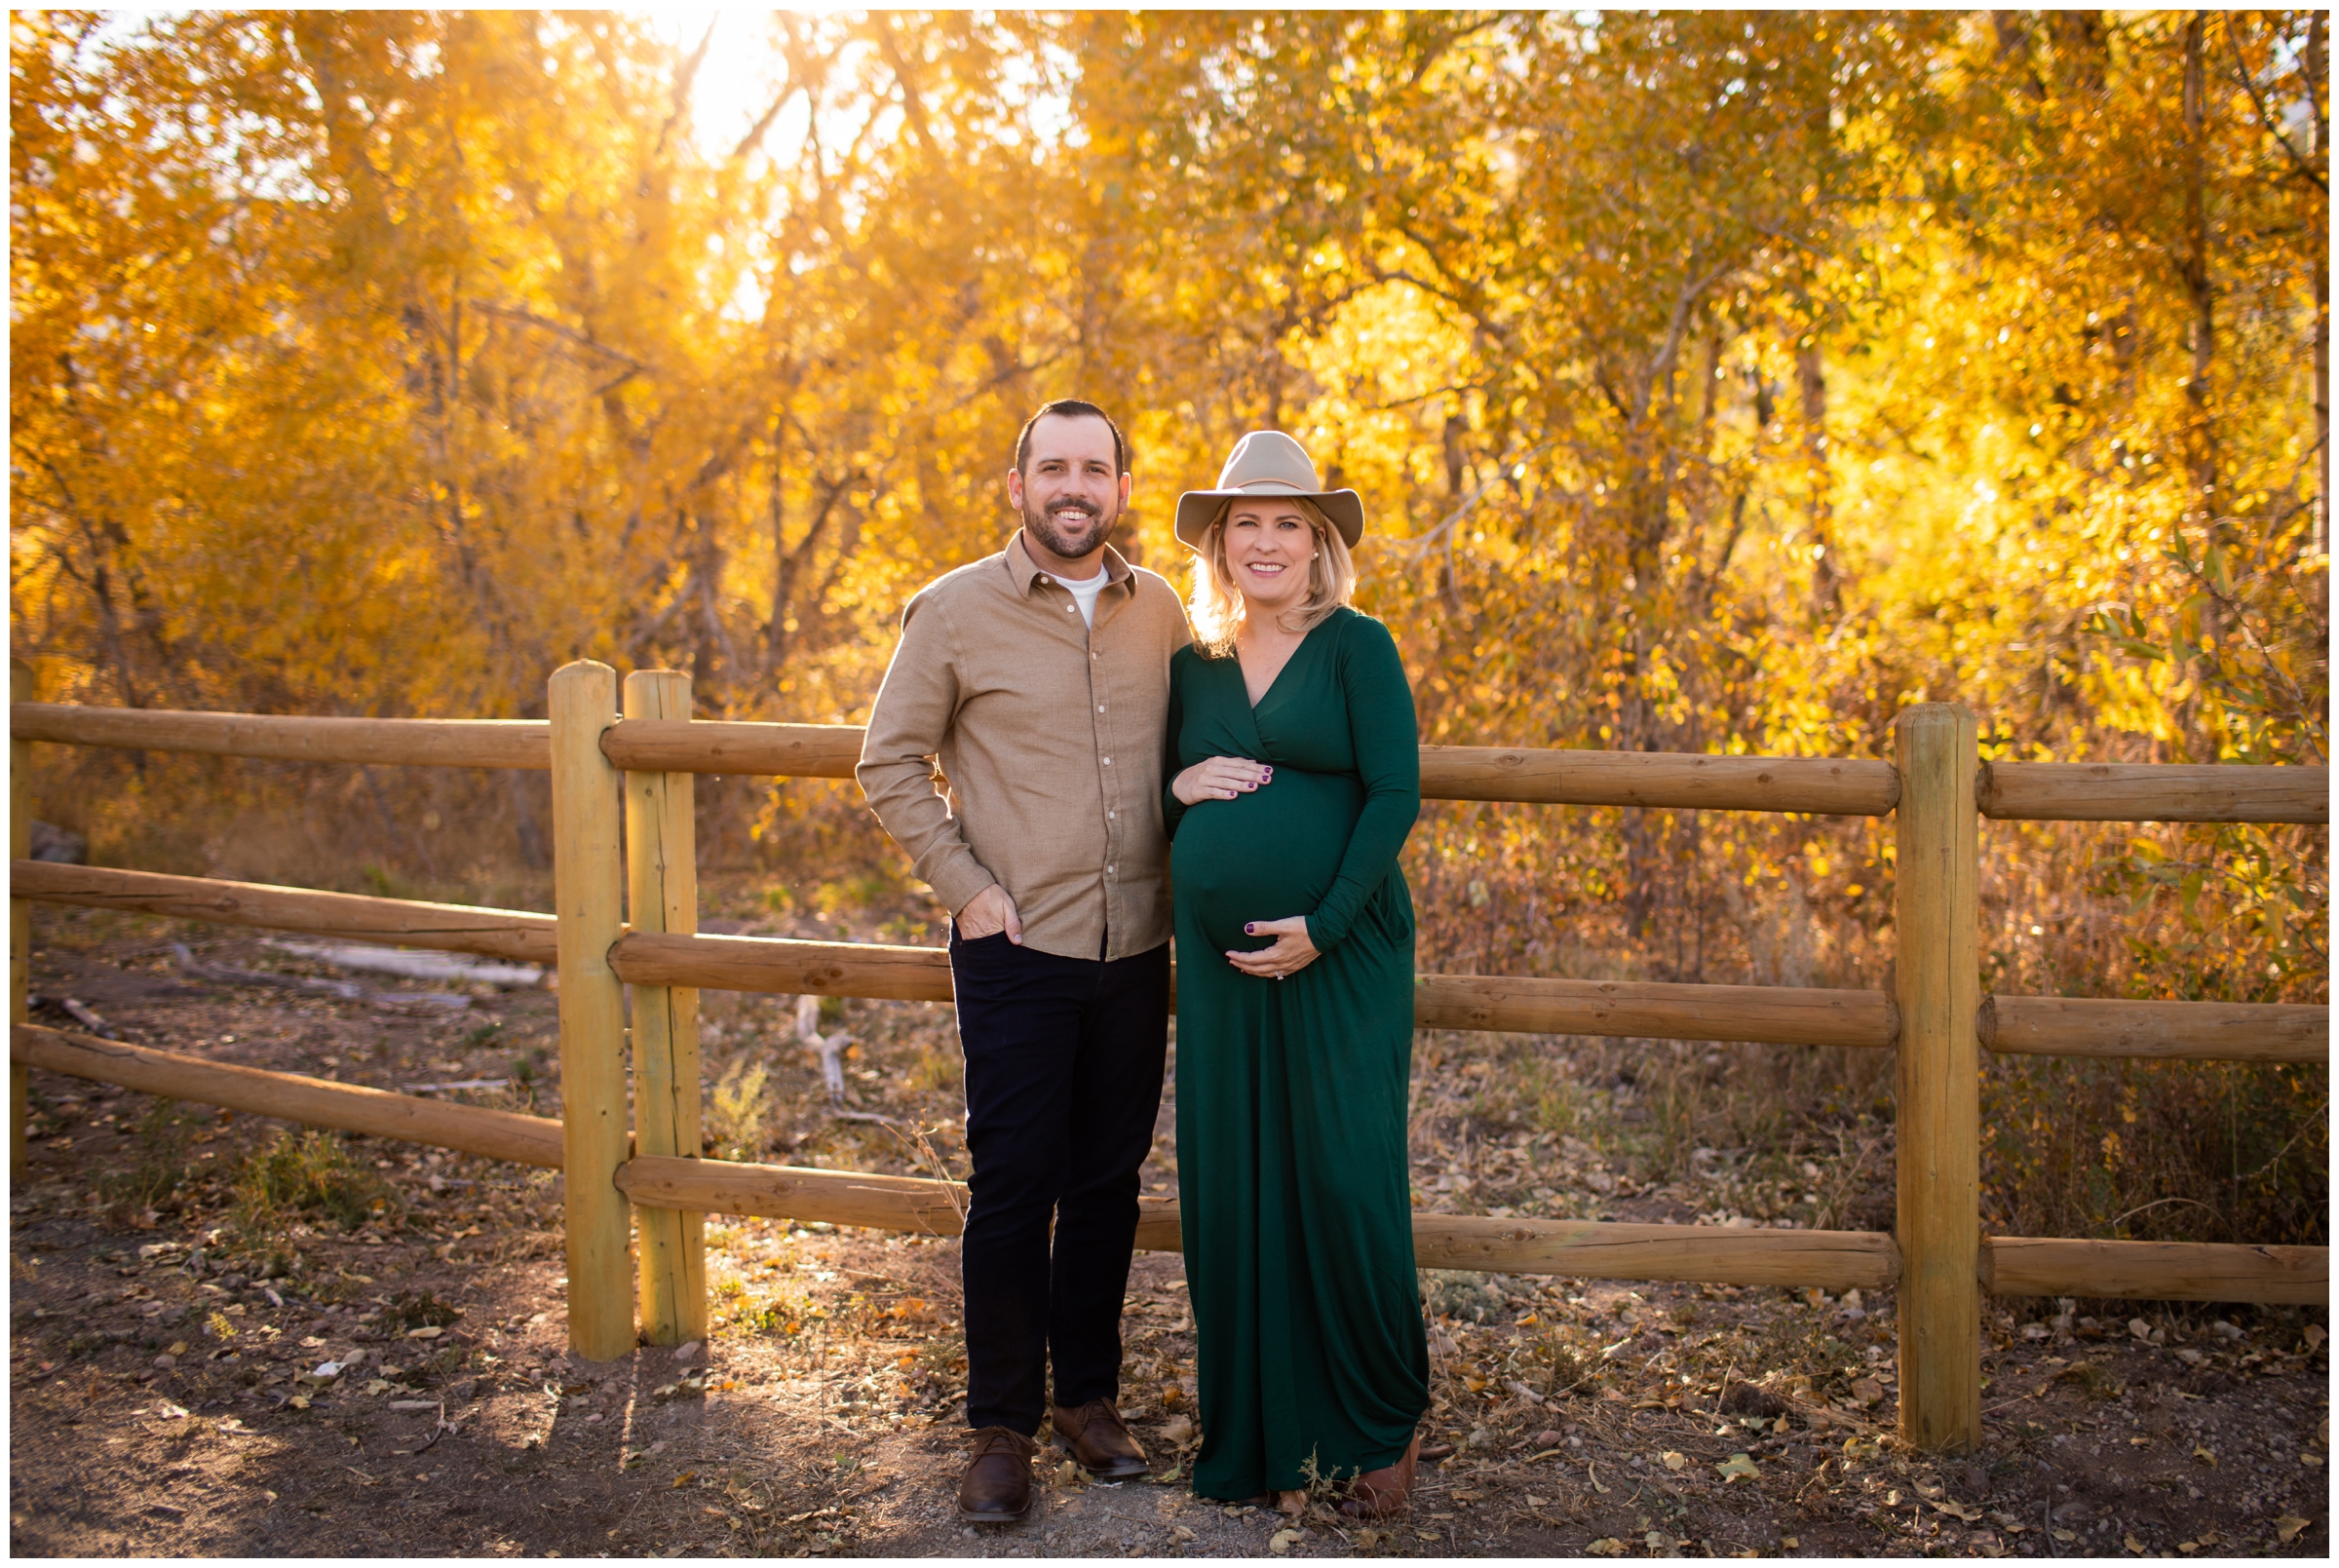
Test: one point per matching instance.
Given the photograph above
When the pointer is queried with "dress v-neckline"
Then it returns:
(1284, 670)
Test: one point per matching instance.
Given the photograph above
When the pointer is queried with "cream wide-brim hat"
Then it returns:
(1269, 463)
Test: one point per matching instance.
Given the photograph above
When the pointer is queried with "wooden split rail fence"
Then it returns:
(636, 1188)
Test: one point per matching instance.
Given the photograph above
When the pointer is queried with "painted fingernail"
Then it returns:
(1248, 930)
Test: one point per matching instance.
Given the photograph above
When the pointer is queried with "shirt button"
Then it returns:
(1109, 762)
(1112, 814)
(1099, 708)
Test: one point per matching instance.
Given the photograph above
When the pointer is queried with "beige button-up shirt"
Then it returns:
(1049, 740)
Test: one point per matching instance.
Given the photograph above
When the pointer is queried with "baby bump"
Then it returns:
(1264, 856)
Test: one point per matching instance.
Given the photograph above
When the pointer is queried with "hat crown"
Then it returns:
(1270, 462)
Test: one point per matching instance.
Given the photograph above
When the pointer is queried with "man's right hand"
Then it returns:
(988, 913)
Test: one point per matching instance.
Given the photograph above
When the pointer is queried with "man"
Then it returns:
(1038, 680)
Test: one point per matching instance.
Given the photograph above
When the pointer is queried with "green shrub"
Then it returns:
(312, 1175)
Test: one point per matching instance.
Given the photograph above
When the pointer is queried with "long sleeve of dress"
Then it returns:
(1172, 809)
(1387, 751)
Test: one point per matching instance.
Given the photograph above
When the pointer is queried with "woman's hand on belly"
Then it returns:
(1220, 778)
(1293, 951)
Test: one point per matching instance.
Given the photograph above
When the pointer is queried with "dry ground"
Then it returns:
(165, 1355)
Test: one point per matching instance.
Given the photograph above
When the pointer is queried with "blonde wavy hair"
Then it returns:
(1215, 604)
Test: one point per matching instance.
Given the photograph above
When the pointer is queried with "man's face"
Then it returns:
(1070, 492)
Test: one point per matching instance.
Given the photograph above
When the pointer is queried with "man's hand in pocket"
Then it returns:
(987, 914)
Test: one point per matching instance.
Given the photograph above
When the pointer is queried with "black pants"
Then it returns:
(1063, 1081)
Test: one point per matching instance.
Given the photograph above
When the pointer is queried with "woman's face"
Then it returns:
(1269, 546)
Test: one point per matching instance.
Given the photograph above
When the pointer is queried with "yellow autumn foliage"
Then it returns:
(1717, 382)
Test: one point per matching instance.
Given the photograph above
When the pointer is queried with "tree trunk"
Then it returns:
(2317, 62)
(2202, 452)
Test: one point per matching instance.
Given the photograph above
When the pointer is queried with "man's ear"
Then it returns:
(1125, 480)
(1014, 487)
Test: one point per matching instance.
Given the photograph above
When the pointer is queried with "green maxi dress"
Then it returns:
(1291, 1093)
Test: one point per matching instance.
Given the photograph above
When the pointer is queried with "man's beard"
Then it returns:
(1051, 531)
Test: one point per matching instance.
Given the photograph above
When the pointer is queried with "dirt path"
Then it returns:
(399, 1388)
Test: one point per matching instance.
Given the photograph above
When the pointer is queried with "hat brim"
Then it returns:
(1196, 508)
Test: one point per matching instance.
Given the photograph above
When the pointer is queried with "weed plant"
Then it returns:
(307, 1175)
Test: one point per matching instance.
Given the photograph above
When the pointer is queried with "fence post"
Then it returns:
(588, 884)
(1937, 984)
(662, 892)
(19, 917)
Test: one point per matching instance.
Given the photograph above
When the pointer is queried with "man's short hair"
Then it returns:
(1072, 408)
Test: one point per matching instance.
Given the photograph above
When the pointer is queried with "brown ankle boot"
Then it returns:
(1377, 1494)
(1098, 1440)
(996, 1488)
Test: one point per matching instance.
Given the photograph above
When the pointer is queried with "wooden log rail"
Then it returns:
(2051, 791)
(2033, 1025)
(1832, 1260)
(452, 928)
(528, 1140)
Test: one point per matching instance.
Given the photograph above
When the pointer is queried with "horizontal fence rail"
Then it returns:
(528, 1140)
(2201, 1031)
(2153, 792)
(1832, 1260)
(2156, 1271)
(450, 928)
(2035, 1025)
(457, 743)
(2045, 791)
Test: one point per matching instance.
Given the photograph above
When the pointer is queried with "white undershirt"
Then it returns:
(1084, 595)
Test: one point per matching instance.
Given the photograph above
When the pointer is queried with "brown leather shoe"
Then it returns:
(997, 1486)
(1098, 1440)
(1380, 1493)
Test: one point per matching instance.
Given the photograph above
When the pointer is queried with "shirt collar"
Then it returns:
(1023, 571)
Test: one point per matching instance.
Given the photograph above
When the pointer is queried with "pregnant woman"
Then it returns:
(1295, 777)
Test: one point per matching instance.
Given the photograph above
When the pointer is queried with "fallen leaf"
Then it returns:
(1184, 1534)
(1533, 1501)
(1283, 1541)
(1179, 1429)
(2315, 1338)
(686, 1478)
(1591, 1472)
(1867, 1390)
(2289, 1526)
(2139, 1328)
(2064, 1535)
(1737, 1468)
(379, 1385)
(1790, 1543)
(1959, 1511)
(2205, 1454)
(2140, 1442)
(425, 1332)
(312, 1341)
(1674, 1462)
(413, 1404)
(1606, 1546)
(2130, 1541)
